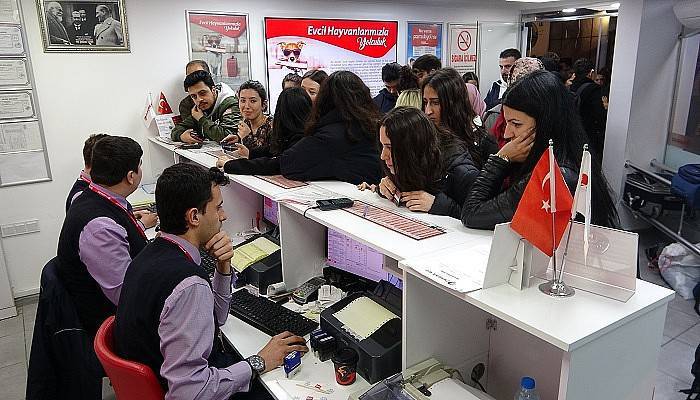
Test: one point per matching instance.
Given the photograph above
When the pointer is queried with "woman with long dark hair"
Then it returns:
(446, 103)
(311, 82)
(253, 134)
(340, 135)
(293, 108)
(536, 108)
(425, 178)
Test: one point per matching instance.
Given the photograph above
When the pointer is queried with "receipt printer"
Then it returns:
(380, 352)
(263, 273)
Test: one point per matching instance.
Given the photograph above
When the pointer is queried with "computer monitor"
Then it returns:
(356, 258)
(270, 210)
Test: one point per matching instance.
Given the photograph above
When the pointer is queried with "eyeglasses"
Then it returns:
(288, 52)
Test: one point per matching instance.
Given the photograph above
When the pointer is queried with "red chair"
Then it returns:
(131, 380)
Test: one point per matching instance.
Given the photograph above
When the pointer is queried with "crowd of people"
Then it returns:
(428, 141)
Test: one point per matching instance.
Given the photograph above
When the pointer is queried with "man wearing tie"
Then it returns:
(109, 31)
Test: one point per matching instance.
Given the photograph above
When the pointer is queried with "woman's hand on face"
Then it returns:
(387, 188)
(518, 148)
(418, 200)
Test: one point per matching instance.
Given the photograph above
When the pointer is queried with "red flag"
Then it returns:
(533, 217)
(163, 106)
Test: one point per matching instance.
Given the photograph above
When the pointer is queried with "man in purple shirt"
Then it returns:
(169, 312)
(100, 235)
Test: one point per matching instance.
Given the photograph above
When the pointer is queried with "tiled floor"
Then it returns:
(15, 344)
(681, 337)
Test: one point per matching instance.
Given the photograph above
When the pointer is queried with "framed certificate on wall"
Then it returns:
(16, 105)
(13, 72)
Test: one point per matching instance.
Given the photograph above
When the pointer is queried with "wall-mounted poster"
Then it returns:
(220, 39)
(423, 38)
(462, 42)
(87, 25)
(299, 45)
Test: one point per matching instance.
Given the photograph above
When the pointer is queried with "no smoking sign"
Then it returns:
(464, 40)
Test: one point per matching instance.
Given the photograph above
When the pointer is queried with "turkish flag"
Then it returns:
(163, 106)
(533, 217)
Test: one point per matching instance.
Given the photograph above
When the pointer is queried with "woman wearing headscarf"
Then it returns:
(493, 118)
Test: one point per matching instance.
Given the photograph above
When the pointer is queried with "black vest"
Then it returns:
(150, 279)
(79, 186)
(92, 305)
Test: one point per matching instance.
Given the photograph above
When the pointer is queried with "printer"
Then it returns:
(380, 352)
(264, 272)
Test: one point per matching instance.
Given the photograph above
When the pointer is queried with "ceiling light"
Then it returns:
(569, 10)
(615, 5)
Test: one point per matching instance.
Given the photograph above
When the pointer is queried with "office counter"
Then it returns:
(577, 348)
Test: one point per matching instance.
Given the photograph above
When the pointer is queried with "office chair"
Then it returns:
(131, 380)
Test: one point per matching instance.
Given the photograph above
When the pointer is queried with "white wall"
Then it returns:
(643, 76)
(83, 93)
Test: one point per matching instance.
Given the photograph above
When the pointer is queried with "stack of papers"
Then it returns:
(249, 254)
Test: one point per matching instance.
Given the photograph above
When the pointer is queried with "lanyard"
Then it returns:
(112, 200)
(189, 257)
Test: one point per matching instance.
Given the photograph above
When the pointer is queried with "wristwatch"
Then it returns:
(502, 157)
(257, 364)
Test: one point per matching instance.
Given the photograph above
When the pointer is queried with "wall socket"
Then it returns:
(20, 228)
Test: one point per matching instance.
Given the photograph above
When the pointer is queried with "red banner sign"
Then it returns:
(227, 25)
(370, 38)
(424, 35)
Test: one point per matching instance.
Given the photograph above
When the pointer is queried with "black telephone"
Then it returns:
(334, 204)
(308, 291)
(190, 146)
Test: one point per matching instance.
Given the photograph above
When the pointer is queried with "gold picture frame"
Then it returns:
(83, 26)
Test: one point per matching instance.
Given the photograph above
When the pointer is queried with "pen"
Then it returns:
(364, 213)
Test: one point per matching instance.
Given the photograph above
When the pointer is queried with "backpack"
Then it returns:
(686, 184)
(579, 92)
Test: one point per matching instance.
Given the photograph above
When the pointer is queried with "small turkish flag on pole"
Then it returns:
(163, 106)
(546, 197)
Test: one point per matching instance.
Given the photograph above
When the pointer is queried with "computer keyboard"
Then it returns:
(208, 263)
(268, 316)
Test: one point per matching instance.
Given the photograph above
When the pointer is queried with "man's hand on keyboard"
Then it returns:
(279, 346)
(220, 247)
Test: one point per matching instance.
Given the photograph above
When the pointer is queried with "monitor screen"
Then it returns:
(356, 258)
(270, 210)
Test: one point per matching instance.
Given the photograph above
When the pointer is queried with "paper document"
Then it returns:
(165, 124)
(16, 105)
(9, 12)
(363, 316)
(11, 41)
(20, 136)
(306, 195)
(249, 254)
(300, 390)
(13, 73)
(462, 271)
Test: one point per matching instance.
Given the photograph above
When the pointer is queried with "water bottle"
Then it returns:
(527, 390)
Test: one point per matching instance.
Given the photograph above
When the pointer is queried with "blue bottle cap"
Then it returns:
(527, 383)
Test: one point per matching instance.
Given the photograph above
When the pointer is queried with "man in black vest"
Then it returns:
(100, 235)
(84, 179)
(169, 312)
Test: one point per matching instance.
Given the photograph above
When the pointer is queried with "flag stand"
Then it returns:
(556, 286)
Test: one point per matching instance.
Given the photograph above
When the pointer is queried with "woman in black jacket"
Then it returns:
(446, 103)
(340, 135)
(431, 169)
(537, 108)
(293, 108)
